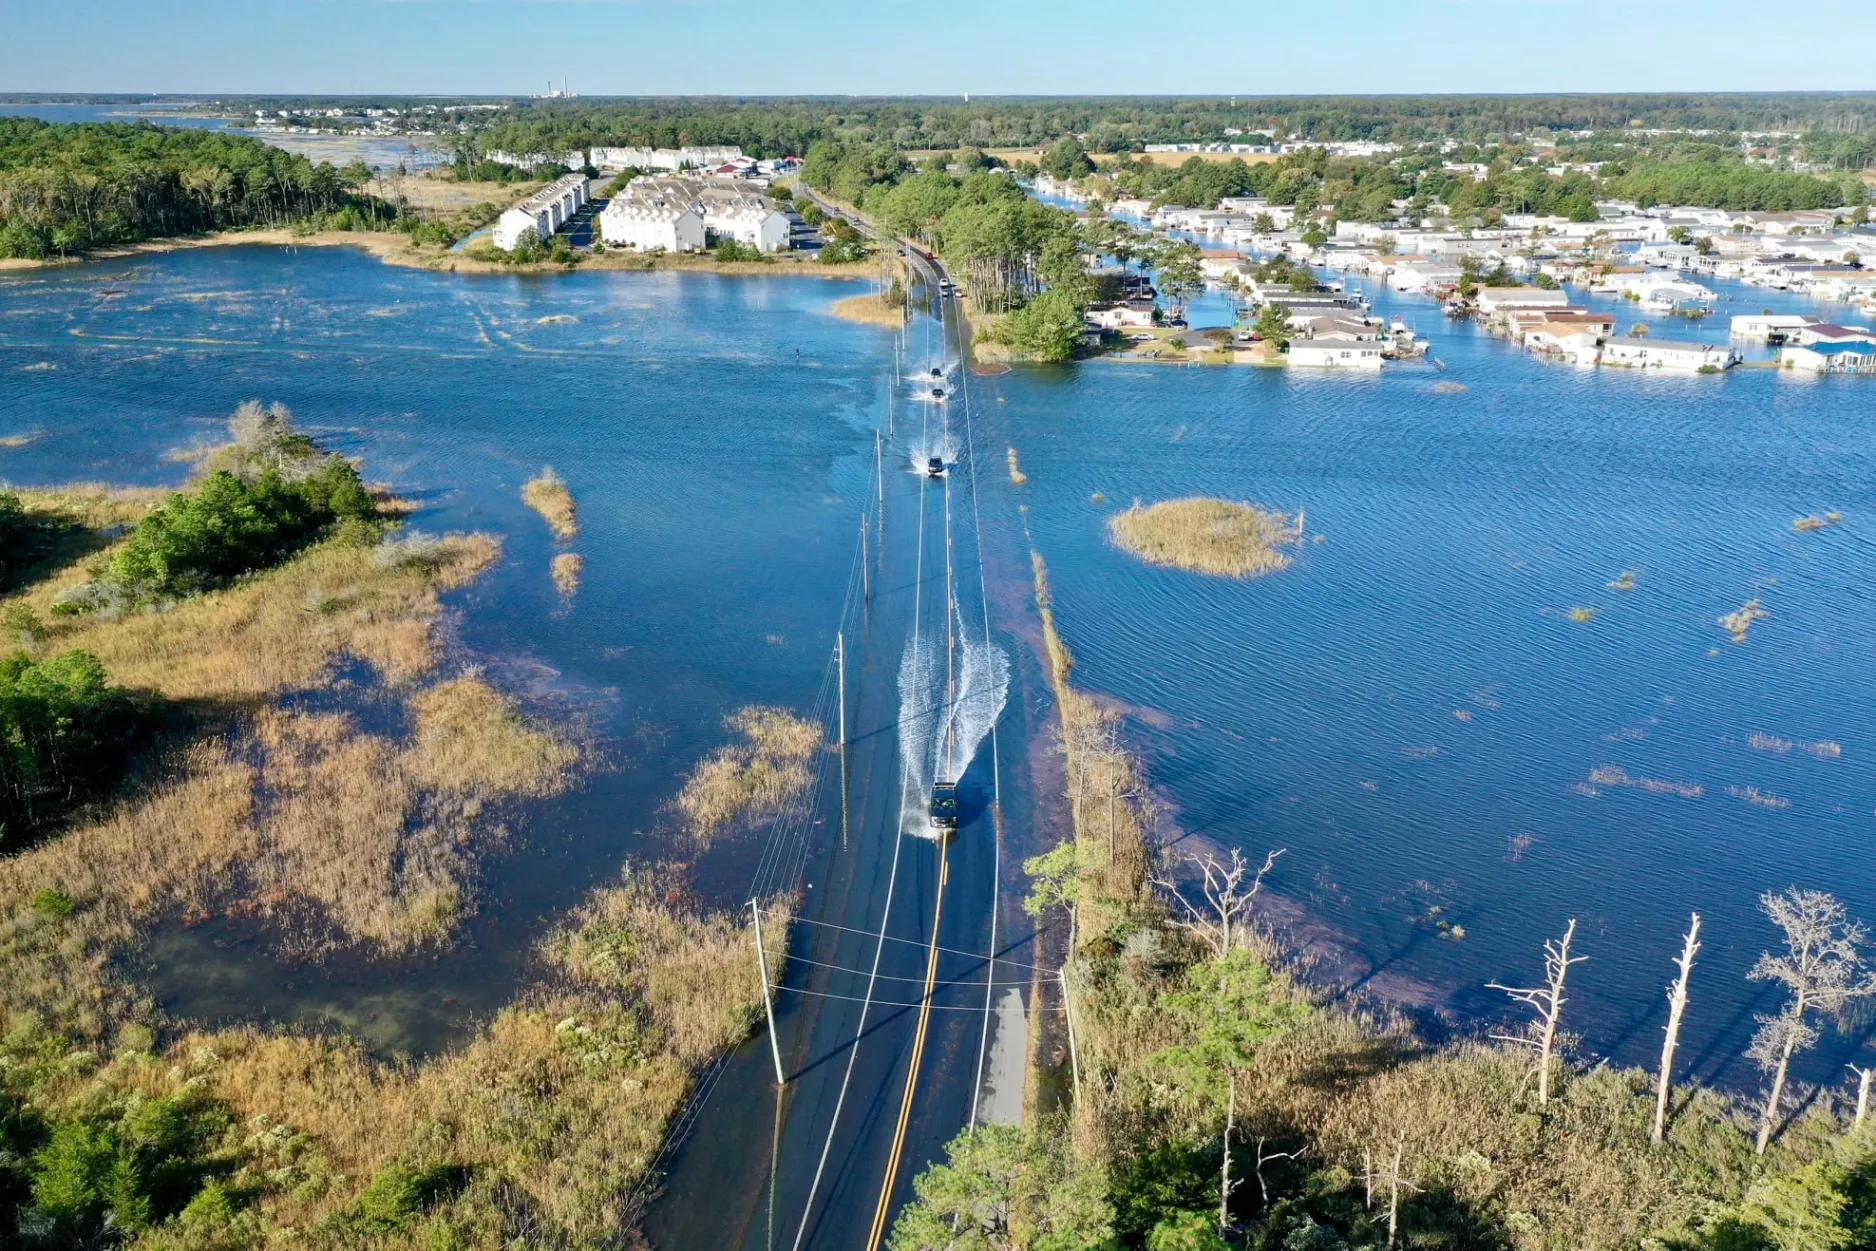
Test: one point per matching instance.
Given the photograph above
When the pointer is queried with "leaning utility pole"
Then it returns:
(768, 1002)
(1677, 1004)
(840, 654)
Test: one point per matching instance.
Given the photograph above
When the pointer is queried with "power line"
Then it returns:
(975, 955)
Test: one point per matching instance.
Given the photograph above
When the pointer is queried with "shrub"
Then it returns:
(230, 527)
(56, 904)
(63, 733)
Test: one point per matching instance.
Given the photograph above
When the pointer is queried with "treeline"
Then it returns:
(1015, 254)
(1366, 188)
(781, 126)
(65, 732)
(1207, 1099)
(65, 189)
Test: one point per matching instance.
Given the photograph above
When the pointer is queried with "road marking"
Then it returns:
(883, 1209)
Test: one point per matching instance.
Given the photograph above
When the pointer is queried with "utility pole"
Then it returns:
(768, 1002)
(1068, 1014)
(866, 574)
(840, 652)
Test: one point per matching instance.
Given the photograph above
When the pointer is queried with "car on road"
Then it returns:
(1143, 338)
(944, 805)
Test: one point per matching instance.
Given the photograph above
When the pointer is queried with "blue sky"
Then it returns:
(1029, 47)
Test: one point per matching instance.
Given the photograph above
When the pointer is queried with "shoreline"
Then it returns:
(395, 248)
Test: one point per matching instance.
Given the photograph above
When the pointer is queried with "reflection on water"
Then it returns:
(719, 478)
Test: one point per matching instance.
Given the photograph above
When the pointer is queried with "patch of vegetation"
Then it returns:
(270, 494)
(1206, 536)
(64, 738)
(753, 780)
(548, 495)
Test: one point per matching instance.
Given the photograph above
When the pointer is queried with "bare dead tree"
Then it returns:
(1547, 1002)
(1224, 1176)
(1823, 966)
(1862, 1094)
(1263, 1191)
(1677, 1004)
(1226, 894)
(1395, 1184)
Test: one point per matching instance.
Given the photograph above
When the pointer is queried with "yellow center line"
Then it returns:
(884, 1208)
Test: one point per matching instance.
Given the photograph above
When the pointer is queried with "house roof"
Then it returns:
(1671, 345)
(1849, 334)
(1840, 349)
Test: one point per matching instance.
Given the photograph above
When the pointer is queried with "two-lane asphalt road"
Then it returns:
(881, 1014)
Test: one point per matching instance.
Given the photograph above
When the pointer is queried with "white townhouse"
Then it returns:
(544, 212)
(672, 159)
(723, 208)
(754, 222)
(651, 227)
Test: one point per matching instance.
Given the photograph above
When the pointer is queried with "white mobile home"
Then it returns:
(1666, 354)
(1335, 354)
(1771, 327)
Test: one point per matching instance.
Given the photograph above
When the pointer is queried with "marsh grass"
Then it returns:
(1762, 799)
(1204, 535)
(1017, 476)
(1823, 749)
(1581, 614)
(330, 834)
(750, 781)
(549, 1116)
(869, 309)
(1802, 524)
(565, 571)
(547, 495)
(1610, 775)
(1624, 581)
(1737, 623)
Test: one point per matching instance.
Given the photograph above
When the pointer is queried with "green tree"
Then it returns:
(1067, 160)
(63, 733)
(1273, 325)
(1180, 276)
(1047, 328)
(1231, 1006)
(1000, 1189)
(1186, 1231)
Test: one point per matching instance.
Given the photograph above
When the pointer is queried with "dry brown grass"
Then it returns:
(556, 1107)
(1017, 476)
(1803, 524)
(869, 310)
(277, 632)
(547, 495)
(754, 780)
(1738, 622)
(330, 833)
(565, 570)
(1204, 535)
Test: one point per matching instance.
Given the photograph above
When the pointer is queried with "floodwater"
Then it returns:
(720, 479)
(1455, 762)
(1410, 710)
